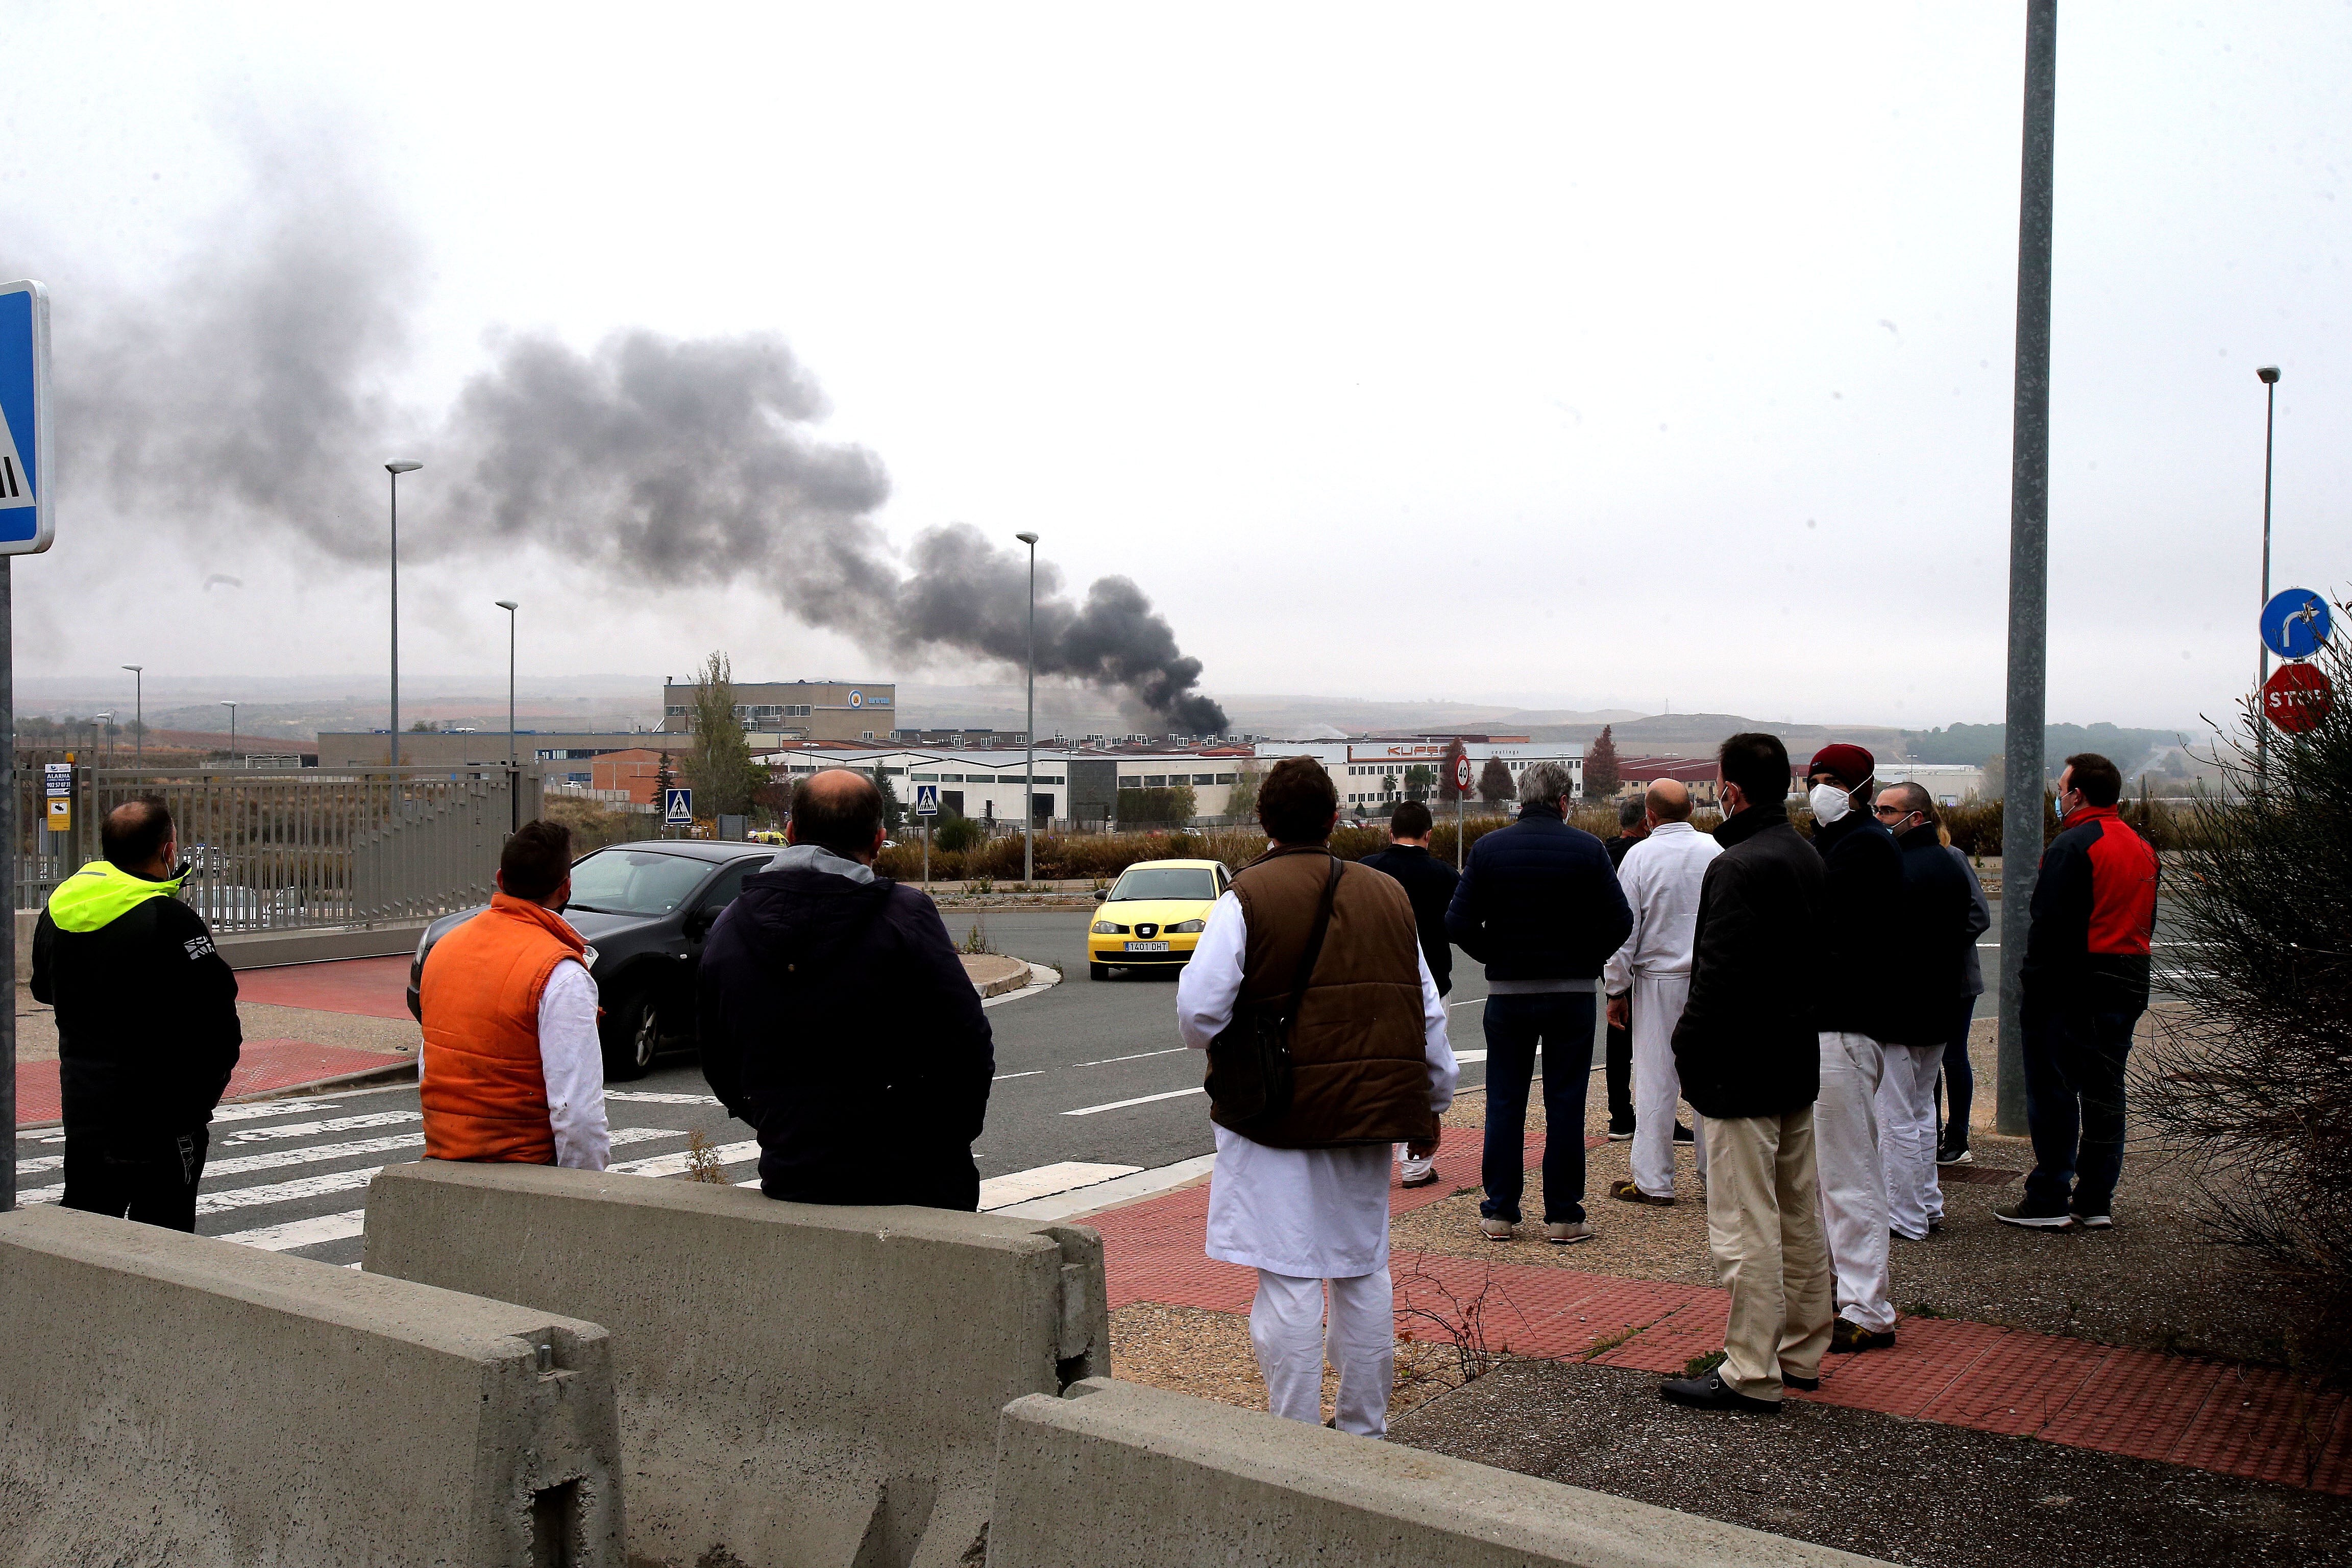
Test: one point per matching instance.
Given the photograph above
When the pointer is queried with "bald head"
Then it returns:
(837, 810)
(137, 837)
(1668, 800)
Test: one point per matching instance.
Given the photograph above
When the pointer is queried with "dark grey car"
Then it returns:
(643, 910)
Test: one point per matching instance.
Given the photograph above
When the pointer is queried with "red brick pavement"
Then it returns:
(370, 987)
(2238, 1420)
(262, 1066)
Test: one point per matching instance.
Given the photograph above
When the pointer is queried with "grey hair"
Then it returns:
(1629, 811)
(1543, 784)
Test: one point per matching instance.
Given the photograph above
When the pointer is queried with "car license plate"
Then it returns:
(1147, 947)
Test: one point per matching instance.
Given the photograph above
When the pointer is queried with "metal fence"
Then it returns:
(285, 849)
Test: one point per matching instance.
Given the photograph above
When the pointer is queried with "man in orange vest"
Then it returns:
(512, 1069)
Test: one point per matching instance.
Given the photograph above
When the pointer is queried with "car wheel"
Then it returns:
(1097, 970)
(632, 1038)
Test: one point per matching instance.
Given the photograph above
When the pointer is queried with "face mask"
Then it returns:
(1830, 803)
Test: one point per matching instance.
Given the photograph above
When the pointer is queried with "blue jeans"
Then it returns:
(2075, 1108)
(1562, 1022)
(1959, 1076)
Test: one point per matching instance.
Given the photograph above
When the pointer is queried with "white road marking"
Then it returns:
(1033, 1072)
(1139, 1099)
(314, 1187)
(270, 1108)
(1045, 1181)
(679, 1164)
(304, 1232)
(331, 1124)
(1118, 1190)
(647, 1096)
(1136, 1057)
(279, 1159)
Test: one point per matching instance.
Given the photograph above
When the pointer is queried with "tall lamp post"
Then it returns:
(1029, 765)
(138, 711)
(232, 732)
(106, 723)
(2269, 375)
(514, 779)
(395, 470)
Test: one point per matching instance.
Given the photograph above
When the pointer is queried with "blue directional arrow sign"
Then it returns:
(927, 800)
(2295, 622)
(677, 805)
(25, 439)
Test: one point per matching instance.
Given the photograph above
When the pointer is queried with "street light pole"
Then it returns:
(2269, 375)
(138, 712)
(514, 778)
(2029, 556)
(1029, 767)
(395, 470)
(232, 732)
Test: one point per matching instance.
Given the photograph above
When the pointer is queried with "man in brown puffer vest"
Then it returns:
(1301, 1196)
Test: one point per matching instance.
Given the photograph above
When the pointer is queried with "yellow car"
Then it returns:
(1153, 916)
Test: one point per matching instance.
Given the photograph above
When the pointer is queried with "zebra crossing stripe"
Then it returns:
(679, 1164)
(39, 1163)
(304, 1232)
(649, 1097)
(311, 1128)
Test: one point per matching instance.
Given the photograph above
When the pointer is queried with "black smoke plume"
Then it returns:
(254, 389)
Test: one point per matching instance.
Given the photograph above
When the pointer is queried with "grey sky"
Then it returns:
(1527, 354)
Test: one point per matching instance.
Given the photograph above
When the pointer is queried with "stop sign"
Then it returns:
(2296, 698)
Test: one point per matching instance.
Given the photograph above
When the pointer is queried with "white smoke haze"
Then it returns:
(246, 389)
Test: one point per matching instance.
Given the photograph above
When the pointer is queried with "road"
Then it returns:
(291, 1175)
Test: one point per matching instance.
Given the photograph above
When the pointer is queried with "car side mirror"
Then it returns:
(701, 920)
(1100, 894)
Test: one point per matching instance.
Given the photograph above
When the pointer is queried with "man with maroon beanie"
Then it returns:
(2085, 985)
(1857, 950)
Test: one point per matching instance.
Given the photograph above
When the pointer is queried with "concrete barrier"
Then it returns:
(168, 1399)
(798, 1385)
(1119, 1473)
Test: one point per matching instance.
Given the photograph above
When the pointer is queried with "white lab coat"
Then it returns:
(1312, 1214)
(1661, 876)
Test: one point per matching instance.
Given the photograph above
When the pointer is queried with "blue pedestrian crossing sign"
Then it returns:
(677, 805)
(927, 800)
(25, 439)
(2295, 622)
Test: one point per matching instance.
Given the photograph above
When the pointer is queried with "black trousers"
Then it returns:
(149, 1177)
(1620, 1076)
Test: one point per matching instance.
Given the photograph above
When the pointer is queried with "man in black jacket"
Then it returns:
(1539, 906)
(1933, 935)
(838, 1020)
(1855, 952)
(1749, 1060)
(1429, 882)
(147, 1026)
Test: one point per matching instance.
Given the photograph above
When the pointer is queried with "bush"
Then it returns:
(2254, 1069)
(956, 833)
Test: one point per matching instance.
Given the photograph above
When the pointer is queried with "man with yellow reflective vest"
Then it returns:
(147, 1028)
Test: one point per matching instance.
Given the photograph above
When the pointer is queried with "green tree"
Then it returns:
(1495, 785)
(1241, 798)
(719, 767)
(1418, 780)
(1445, 790)
(893, 814)
(1153, 808)
(957, 832)
(1601, 776)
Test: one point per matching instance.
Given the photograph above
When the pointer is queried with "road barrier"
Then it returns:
(166, 1398)
(797, 1384)
(1119, 1473)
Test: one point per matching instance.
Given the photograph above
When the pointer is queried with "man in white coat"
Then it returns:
(1300, 1189)
(1660, 876)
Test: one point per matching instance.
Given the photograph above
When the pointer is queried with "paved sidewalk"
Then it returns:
(2248, 1421)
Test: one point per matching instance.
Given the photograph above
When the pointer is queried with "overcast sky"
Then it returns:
(1565, 356)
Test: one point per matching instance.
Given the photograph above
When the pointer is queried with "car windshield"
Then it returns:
(634, 881)
(1166, 882)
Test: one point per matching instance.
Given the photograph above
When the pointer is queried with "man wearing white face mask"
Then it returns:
(1864, 873)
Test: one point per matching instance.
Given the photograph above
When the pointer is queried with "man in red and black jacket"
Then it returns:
(2087, 975)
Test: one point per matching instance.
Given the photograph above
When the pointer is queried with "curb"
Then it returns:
(1040, 979)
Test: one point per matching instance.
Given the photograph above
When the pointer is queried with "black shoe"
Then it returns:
(1427, 1180)
(1711, 1393)
(2023, 1213)
(1810, 1384)
(1850, 1338)
(1619, 1135)
(1683, 1134)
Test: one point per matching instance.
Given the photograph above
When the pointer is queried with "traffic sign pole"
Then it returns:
(7, 890)
(27, 443)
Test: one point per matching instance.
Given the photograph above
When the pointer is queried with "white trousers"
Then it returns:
(1410, 1168)
(1657, 1002)
(1854, 1181)
(1287, 1333)
(1906, 1138)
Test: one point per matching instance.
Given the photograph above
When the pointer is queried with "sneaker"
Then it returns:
(1711, 1393)
(2019, 1212)
(1627, 1192)
(1850, 1338)
(1619, 1135)
(1496, 1229)
(1960, 1156)
(2093, 1221)
(1559, 1233)
(1683, 1134)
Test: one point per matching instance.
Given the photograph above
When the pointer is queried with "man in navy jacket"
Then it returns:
(1539, 906)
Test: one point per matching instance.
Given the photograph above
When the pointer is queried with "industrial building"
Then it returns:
(1371, 771)
(777, 713)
